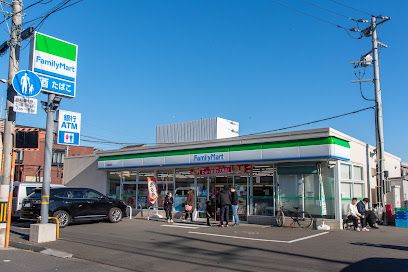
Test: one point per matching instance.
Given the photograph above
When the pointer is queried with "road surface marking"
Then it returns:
(237, 237)
(308, 237)
(179, 226)
(258, 239)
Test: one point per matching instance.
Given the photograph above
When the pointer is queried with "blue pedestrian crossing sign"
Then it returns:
(26, 83)
(69, 128)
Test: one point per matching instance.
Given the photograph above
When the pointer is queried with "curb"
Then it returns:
(42, 250)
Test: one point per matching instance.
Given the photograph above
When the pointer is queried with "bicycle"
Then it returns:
(301, 218)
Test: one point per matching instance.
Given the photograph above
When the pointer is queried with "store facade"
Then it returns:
(296, 169)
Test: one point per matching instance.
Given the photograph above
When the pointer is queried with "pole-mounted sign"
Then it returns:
(27, 84)
(69, 127)
(55, 62)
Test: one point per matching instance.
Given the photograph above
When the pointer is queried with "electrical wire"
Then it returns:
(310, 15)
(350, 7)
(26, 8)
(328, 10)
(312, 122)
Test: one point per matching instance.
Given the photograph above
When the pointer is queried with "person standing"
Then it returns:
(208, 212)
(168, 207)
(224, 199)
(189, 207)
(234, 205)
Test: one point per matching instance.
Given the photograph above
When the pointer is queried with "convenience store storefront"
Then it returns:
(297, 169)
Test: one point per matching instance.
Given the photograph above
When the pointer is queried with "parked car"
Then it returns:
(21, 190)
(74, 204)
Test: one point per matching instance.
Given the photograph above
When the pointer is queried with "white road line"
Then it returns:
(308, 237)
(237, 237)
(188, 224)
(178, 226)
(259, 239)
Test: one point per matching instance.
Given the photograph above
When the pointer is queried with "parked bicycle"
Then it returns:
(301, 218)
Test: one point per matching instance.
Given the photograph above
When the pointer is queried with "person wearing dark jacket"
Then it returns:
(208, 211)
(368, 216)
(234, 205)
(168, 207)
(224, 199)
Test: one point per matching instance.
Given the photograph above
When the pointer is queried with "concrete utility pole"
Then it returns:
(14, 44)
(366, 60)
(379, 130)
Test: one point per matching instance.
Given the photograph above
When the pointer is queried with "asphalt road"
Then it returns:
(139, 245)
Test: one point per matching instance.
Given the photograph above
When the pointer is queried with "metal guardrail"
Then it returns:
(130, 211)
(57, 223)
(148, 212)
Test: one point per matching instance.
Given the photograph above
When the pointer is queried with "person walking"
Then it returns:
(189, 207)
(234, 205)
(168, 207)
(224, 199)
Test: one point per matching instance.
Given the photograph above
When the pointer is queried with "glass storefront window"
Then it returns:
(357, 173)
(263, 195)
(345, 171)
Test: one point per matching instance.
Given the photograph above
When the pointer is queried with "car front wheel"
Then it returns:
(63, 217)
(115, 215)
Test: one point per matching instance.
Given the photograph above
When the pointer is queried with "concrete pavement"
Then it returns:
(139, 245)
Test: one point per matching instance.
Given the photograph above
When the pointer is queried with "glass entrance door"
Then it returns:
(241, 185)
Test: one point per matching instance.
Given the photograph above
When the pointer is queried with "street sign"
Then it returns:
(69, 127)
(26, 83)
(55, 62)
(25, 105)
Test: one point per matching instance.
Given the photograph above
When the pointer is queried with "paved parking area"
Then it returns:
(139, 245)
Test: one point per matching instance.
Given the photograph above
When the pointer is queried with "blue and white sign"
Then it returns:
(69, 127)
(55, 62)
(26, 83)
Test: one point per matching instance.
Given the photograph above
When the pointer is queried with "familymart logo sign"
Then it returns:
(55, 62)
(209, 157)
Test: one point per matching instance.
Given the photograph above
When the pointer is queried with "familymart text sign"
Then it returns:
(55, 62)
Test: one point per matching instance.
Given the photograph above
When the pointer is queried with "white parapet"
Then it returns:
(4, 193)
(2, 234)
(43, 233)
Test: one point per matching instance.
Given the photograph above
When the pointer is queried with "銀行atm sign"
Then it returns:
(69, 127)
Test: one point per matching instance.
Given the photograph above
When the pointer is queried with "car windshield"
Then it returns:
(35, 194)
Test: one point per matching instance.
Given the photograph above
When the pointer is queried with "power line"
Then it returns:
(310, 15)
(329, 10)
(312, 122)
(28, 7)
(350, 7)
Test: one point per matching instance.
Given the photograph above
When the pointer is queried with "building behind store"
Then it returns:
(318, 170)
(29, 164)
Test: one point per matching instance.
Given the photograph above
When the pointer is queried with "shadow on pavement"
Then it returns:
(378, 265)
(403, 248)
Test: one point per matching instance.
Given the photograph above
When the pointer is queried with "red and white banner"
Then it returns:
(222, 169)
(152, 189)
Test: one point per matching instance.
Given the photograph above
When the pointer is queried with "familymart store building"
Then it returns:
(317, 170)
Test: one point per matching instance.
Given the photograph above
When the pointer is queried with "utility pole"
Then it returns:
(372, 58)
(379, 130)
(10, 118)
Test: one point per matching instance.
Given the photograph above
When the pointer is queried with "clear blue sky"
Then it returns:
(143, 63)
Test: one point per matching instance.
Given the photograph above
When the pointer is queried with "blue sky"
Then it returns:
(143, 63)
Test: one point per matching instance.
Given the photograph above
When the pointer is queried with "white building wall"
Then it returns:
(196, 131)
(82, 171)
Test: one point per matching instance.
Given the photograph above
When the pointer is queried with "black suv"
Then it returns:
(74, 204)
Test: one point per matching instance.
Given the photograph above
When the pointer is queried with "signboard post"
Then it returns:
(55, 62)
(69, 127)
